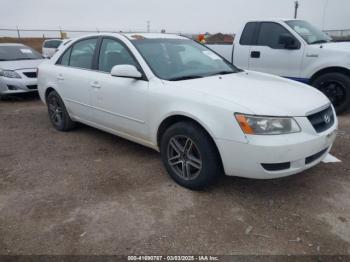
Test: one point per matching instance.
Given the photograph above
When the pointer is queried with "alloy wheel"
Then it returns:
(55, 110)
(184, 157)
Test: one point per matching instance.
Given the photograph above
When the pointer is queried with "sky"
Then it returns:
(185, 16)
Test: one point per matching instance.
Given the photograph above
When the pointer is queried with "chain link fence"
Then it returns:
(58, 33)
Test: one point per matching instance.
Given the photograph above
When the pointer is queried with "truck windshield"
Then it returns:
(309, 33)
(18, 52)
(181, 59)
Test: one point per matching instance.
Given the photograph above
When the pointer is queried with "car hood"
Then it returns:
(339, 46)
(20, 64)
(261, 94)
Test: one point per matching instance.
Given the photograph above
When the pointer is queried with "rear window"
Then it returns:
(248, 33)
(52, 43)
(20, 52)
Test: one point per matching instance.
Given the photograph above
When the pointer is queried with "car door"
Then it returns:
(269, 55)
(241, 50)
(118, 103)
(74, 77)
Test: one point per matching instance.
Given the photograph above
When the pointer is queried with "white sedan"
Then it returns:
(18, 66)
(205, 116)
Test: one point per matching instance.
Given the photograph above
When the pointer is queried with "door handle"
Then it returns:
(255, 54)
(95, 84)
(60, 77)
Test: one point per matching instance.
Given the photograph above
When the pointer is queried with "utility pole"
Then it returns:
(60, 32)
(296, 6)
(148, 26)
(18, 33)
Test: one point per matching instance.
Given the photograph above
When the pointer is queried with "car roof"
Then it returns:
(272, 20)
(129, 36)
(135, 36)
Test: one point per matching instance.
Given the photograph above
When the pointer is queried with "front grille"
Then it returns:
(276, 167)
(323, 120)
(314, 157)
(32, 87)
(30, 74)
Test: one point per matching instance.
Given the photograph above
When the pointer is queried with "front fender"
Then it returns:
(218, 122)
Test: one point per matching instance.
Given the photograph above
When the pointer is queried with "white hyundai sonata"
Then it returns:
(204, 115)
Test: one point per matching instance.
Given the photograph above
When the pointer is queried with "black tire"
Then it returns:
(336, 86)
(201, 153)
(58, 113)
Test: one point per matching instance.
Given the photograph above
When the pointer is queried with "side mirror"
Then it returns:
(288, 41)
(127, 71)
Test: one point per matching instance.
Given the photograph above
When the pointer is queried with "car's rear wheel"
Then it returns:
(336, 86)
(58, 113)
(190, 156)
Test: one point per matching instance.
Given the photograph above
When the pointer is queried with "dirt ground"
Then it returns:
(89, 192)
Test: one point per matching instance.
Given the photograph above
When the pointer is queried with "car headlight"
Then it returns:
(266, 125)
(9, 74)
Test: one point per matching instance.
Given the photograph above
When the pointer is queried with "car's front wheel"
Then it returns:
(58, 113)
(190, 156)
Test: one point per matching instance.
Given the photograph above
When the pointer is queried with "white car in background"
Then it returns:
(18, 69)
(50, 47)
(178, 97)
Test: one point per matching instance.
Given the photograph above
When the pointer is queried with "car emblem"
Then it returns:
(327, 118)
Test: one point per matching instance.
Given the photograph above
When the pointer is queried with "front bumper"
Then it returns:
(289, 154)
(18, 85)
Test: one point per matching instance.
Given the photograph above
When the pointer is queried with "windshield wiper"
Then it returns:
(319, 42)
(222, 73)
(179, 78)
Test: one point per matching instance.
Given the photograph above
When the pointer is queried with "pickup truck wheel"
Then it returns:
(190, 156)
(58, 114)
(336, 86)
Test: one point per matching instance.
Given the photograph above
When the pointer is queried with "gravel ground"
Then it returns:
(89, 192)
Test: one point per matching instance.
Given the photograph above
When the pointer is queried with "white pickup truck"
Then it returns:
(297, 50)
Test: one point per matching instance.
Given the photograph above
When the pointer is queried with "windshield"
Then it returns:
(309, 33)
(180, 59)
(20, 52)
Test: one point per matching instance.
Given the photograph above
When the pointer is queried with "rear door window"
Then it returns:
(249, 30)
(82, 53)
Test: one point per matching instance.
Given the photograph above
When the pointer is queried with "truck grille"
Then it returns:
(30, 74)
(323, 120)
